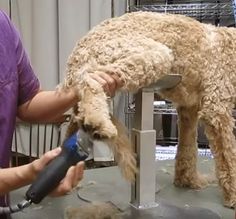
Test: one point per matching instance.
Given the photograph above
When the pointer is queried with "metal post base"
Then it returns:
(167, 211)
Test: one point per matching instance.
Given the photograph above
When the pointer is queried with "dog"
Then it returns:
(142, 47)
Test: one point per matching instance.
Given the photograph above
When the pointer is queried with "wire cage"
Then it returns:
(164, 119)
(213, 11)
(30, 141)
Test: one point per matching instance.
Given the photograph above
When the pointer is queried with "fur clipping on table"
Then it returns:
(96, 210)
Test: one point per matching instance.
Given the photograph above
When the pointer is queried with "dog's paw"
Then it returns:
(99, 130)
(230, 203)
(229, 198)
(193, 181)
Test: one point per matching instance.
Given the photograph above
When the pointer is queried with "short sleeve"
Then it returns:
(28, 82)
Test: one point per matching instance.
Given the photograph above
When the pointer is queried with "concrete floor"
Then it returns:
(106, 184)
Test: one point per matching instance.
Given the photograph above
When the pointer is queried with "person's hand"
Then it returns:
(109, 82)
(73, 175)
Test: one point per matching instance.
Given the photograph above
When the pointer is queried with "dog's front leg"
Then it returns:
(93, 111)
(186, 174)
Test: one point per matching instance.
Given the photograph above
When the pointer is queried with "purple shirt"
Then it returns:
(18, 84)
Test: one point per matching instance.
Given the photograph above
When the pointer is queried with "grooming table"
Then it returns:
(153, 194)
(107, 184)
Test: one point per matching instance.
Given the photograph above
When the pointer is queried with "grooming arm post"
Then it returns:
(144, 140)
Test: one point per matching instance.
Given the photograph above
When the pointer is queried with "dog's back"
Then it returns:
(196, 49)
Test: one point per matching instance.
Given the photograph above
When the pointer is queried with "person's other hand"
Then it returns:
(73, 175)
(109, 82)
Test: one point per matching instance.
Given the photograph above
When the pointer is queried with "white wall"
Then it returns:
(38, 25)
(77, 18)
(49, 31)
(4, 5)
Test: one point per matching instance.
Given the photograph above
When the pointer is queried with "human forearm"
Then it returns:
(46, 106)
(16, 177)
(13, 178)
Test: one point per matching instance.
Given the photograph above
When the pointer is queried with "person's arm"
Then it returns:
(16, 177)
(46, 106)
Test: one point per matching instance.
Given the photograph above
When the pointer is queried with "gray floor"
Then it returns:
(106, 184)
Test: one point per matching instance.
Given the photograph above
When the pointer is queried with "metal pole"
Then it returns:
(10, 10)
(112, 8)
(144, 139)
(234, 8)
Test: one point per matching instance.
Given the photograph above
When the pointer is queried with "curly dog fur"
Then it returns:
(142, 47)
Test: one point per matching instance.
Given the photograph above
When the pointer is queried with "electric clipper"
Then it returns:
(76, 148)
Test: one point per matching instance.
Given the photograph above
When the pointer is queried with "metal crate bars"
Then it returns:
(197, 9)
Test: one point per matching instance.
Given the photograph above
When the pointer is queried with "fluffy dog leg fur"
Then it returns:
(186, 174)
(219, 130)
(93, 110)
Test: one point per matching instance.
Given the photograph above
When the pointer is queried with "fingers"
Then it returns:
(119, 82)
(71, 180)
(66, 184)
(79, 170)
(40, 163)
(109, 82)
(102, 82)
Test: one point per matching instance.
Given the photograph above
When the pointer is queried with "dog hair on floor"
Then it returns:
(142, 47)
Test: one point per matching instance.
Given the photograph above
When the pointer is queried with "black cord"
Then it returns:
(15, 208)
(82, 198)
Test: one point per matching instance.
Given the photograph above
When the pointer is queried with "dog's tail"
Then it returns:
(123, 151)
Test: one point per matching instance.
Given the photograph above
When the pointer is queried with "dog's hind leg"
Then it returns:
(219, 125)
(186, 174)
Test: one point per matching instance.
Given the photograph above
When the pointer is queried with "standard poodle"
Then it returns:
(142, 47)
